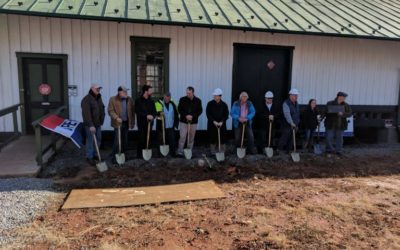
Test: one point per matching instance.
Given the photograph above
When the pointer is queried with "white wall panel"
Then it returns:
(369, 70)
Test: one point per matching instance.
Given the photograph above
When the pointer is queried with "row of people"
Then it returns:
(184, 116)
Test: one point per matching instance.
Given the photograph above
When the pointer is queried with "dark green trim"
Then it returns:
(23, 55)
(199, 25)
(164, 41)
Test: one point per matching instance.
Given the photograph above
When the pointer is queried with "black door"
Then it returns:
(43, 88)
(259, 68)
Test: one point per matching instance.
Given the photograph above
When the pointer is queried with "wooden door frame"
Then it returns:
(23, 55)
(290, 49)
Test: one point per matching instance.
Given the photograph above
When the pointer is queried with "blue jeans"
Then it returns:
(90, 147)
(338, 135)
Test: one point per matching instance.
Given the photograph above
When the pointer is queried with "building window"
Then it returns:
(150, 64)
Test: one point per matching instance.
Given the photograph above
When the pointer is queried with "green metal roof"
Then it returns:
(378, 19)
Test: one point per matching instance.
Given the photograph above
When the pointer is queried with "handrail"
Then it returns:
(56, 112)
(40, 149)
(12, 109)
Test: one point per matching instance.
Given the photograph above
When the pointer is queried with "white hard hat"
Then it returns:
(217, 91)
(269, 94)
(294, 92)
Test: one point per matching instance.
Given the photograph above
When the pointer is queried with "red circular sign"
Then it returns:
(44, 89)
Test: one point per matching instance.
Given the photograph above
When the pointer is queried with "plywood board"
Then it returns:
(122, 197)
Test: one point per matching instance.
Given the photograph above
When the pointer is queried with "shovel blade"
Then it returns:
(102, 167)
(241, 152)
(220, 156)
(188, 153)
(317, 149)
(295, 157)
(269, 152)
(164, 149)
(146, 154)
(120, 158)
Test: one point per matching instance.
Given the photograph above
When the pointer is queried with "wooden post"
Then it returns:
(15, 121)
(38, 140)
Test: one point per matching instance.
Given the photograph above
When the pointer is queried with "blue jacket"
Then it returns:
(235, 113)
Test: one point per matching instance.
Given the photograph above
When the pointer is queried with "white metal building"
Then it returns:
(98, 50)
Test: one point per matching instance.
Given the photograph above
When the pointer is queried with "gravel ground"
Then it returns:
(21, 199)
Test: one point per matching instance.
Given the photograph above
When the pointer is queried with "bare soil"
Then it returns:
(323, 202)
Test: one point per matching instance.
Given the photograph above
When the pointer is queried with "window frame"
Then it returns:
(154, 40)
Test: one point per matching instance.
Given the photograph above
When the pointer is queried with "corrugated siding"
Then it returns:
(98, 51)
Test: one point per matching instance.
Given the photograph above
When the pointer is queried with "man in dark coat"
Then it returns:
(266, 115)
(217, 114)
(167, 110)
(93, 118)
(291, 120)
(190, 109)
(337, 112)
(145, 114)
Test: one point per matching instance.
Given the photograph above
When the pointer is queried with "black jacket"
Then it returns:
(333, 121)
(190, 107)
(92, 110)
(309, 119)
(144, 107)
(218, 112)
(262, 116)
(176, 114)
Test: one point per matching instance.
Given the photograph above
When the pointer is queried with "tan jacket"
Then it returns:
(115, 109)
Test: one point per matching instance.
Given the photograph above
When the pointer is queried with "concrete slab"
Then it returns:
(122, 197)
(17, 159)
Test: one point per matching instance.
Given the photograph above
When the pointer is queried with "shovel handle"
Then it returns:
(243, 129)
(219, 139)
(97, 147)
(119, 138)
(163, 128)
(188, 134)
(269, 134)
(294, 139)
(148, 134)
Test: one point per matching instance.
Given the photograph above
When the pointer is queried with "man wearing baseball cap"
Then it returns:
(217, 113)
(121, 111)
(93, 118)
(337, 112)
(266, 115)
(291, 113)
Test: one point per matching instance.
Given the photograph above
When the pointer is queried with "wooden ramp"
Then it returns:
(122, 197)
(18, 158)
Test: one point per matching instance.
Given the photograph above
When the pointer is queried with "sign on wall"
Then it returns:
(348, 133)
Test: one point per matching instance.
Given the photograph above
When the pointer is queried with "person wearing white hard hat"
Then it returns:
(217, 113)
(291, 113)
(266, 115)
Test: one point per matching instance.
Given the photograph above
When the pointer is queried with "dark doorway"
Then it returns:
(44, 87)
(259, 68)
